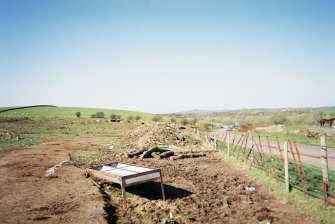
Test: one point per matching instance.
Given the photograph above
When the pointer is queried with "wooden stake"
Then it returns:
(228, 142)
(123, 189)
(162, 186)
(324, 161)
(287, 177)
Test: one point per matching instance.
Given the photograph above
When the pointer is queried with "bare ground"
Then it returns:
(199, 190)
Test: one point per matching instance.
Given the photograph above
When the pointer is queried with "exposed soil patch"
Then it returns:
(27, 196)
(201, 190)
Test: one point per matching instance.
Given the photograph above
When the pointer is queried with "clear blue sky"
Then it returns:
(166, 56)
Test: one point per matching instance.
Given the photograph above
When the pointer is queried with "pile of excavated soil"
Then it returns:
(150, 135)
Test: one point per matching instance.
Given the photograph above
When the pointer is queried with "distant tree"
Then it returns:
(184, 121)
(100, 115)
(279, 119)
(130, 118)
(319, 115)
(157, 118)
(78, 114)
(207, 126)
(137, 117)
(194, 121)
(113, 116)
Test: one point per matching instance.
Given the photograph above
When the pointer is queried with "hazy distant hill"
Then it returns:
(256, 110)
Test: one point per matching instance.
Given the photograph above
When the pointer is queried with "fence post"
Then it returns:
(287, 177)
(228, 142)
(324, 162)
(215, 142)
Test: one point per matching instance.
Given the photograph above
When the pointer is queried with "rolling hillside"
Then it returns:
(51, 111)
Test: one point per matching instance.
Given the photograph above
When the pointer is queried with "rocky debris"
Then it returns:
(52, 170)
(8, 135)
(159, 153)
(312, 134)
(154, 152)
(272, 128)
(158, 134)
(186, 156)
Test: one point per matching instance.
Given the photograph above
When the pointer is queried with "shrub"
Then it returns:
(319, 115)
(184, 121)
(130, 118)
(93, 116)
(119, 117)
(194, 121)
(157, 118)
(100, 115)
(78, 114)
(113, 116)
(173, 120)
(137, 117)
(280, 119)
(207, 126)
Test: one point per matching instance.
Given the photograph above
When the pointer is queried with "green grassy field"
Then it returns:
(37, 130)
(70, 112)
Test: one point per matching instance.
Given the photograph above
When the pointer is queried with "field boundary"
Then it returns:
(284, 163)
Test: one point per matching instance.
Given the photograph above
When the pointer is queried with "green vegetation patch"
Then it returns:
(89, 158)
(37, 130)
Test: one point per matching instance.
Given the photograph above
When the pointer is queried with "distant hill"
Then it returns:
(256, 110)
(52, 111)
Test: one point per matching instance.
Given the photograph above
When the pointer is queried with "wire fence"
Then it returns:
(307, 167)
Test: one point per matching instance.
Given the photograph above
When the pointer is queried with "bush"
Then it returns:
(194, 121)
(207, 126)
(280, 119)
(137, 117)
(319, 115)
(78, 114)
(130, 118)
(157, 118)
(184, 121)
(100, 115)
(119, 117)
(93, 116)
(173, 120)
(113, 116)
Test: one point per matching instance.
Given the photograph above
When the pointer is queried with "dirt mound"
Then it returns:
(8, 135)
(150, 135)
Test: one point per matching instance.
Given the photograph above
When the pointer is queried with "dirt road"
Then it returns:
(199, 190)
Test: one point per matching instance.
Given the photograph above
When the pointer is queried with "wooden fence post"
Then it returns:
(324, 162)
(215, 142)
(228, 143)
(287, 177)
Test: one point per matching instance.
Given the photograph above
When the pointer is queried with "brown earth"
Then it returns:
(199, 190)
